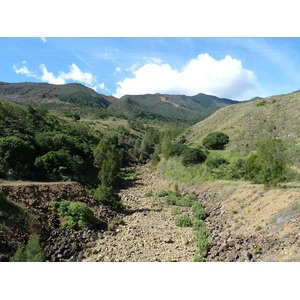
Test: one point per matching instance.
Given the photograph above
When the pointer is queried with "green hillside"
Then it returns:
(36, 93)
(248, 122)
(170, 108)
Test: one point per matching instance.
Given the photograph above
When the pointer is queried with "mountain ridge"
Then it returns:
(178, 108)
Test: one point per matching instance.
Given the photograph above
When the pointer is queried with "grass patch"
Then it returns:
(149, 194)
(175, 211)
(164, 193)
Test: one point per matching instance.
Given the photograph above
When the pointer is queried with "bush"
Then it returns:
(201, 240)
(193, 156)
(269, 165)
(106, 196)
(32, 252)
(149, 194)
(198, 223)
(59, 163)
(76, 215)
(176, 149)
(215, 141)
(183, 201)
(183, 221)
(175, 211)
(215, 162)
(186, 201)
(164, 193)
(199, 211)
(236, 169)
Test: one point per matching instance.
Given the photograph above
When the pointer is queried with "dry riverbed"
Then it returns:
(148, 232)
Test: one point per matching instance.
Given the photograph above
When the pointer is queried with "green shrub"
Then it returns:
(262, 103)
(193, 156)
(175, 211)
(59, 163)
(106, 196)
(199, 211)
(186, 201)
(198, 223)
(268, 165)
(215, 162)
(201, 240)
(203, 245)
(164, 193)
(199, 258)
(183, 221)
(183, 201)
(236, 170)
(177, 149)
(149, 194)
(215, 141)
(32, 252)
(76, 215)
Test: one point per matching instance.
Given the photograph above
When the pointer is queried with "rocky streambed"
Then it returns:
(148, 232)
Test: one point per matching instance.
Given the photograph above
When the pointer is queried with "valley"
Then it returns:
(145, 178)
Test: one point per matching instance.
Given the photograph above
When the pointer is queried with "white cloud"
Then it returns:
(153, 60)
(203, 74)
(44, 40)
(24, 71)
(49, 77)
(75, 74)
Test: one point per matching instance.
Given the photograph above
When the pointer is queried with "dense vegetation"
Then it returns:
(267, 165)
(35, 145)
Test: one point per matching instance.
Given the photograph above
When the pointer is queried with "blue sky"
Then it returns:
(236, 68)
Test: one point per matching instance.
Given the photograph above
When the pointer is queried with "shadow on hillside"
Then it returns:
(140, 210)
(129, 184)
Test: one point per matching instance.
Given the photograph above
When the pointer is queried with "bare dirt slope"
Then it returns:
(251, 223)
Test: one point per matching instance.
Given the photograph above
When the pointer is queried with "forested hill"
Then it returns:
(80, 99)
(165, 107)
(72, 93)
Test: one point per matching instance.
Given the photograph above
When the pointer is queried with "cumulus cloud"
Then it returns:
(49, 77)
(75, 74)
(203, 74)
(24, 71)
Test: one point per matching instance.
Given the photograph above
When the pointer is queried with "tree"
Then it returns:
(108, 174)
(268, 165)
(177, 149)
(193, 156)
(59, 163)
(106, 196)
(15, 156)
(215, 141)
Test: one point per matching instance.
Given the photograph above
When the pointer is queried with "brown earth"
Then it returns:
(35, 199)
